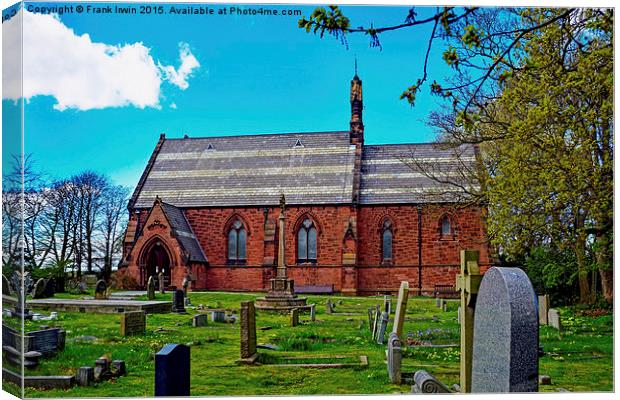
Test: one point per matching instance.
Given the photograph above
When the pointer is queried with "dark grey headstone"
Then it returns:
(50, 288)
(150, 288)
(505, 353)
(85, 376)
(39, 289)
(119, 368)
(172, 370)
(45, 341)
(394, 358)
(199, 320)
(100, 290)
(178, 304)
(383, 322)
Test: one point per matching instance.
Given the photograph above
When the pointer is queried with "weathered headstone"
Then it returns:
(50, 288)
(160, 278)
(39, 289)
(178, 303)
(375, 323)
(150, 288)
(554, 319)
(505, 353)
(248, 332)
(387, 304)
(172, 370)
(186, 282)
(85, 376)
(445, 306)
(438, 302)
(382, 327)
(294, 321)
(427, 383)
(102, 369)
(371, 317)
(118, 368)
(133, 323)
(467, 282)
(101, 290)
(46, 341)
(329, 307)
(394, 358)
(401, 308)
(543, 309)
(199, 320)
(90, 280)
(6, 286)
(218, 316)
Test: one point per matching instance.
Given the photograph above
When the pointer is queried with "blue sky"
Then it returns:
(257, 74)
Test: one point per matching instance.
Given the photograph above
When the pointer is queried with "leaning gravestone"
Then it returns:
(150, 288)
(505, 352)
(394, 358)
(39, 289)
(248, 333)
(554, 319)
(133, 323)
(382, 327)
(172, 370)
(178, 303)
(401, 308)
(543, 309)
(375, 323)
(6, 286)
(100, 290)
(427, 383)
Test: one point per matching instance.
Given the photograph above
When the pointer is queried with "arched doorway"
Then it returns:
(156, 259)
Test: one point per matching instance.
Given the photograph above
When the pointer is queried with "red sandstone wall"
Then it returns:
(440, 257)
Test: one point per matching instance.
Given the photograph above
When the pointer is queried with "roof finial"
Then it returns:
(355, 64)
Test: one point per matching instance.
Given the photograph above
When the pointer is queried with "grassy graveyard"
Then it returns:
(578, 359)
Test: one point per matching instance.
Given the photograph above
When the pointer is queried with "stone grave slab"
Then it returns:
(505, 351)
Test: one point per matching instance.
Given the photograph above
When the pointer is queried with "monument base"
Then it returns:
(253, 360)
(281, 296)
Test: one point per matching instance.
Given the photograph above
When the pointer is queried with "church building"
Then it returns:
(359, 218)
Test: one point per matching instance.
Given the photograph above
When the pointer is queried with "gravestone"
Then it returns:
(427, 383)
(401, 308)
(186, 282)
(6, 286)
(458, 314)
(199, 320)
(90, 280)
(39, 289)
(371, 317)
(150, 288)
(387, 304)
(218, 316)
(375, 323)
(172, 370)
(382, 327)
(119, 368)
(543, 309)
(312, 312)
(178, 303)
(160, 279)
(554, 319)
(133, 323)
(248, 332)
(294, 317)
(329, 307)
(50, 287)
(102, 369)
(45, 341)
(505, 352)
(101, 290)
(85, 376)
(394, 358)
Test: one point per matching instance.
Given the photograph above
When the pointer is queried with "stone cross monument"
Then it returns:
(281, 295)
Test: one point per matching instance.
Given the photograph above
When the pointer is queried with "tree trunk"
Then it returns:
(585, 297)
(607, 284)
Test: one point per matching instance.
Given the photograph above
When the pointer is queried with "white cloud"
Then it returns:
(82, 74)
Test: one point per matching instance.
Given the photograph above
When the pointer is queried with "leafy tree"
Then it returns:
(533, 90)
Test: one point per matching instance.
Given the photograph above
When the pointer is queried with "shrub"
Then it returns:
(122, 280)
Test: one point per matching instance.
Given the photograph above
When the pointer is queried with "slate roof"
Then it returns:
(401, 173)
(183, 232)
(309, 168)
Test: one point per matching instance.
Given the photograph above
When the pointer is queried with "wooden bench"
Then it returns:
(314, 289)
(446, 292)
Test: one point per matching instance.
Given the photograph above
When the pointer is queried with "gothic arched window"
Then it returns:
(445, 228)
(306, 242)
(387, 236)
(236, 243)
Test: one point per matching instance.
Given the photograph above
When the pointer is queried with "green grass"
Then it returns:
(580, 359)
